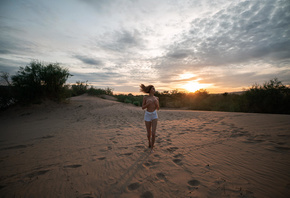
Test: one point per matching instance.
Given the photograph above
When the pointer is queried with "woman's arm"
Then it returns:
(144, 105)
(157, 103)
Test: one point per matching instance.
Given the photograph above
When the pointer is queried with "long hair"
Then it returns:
(145, 89)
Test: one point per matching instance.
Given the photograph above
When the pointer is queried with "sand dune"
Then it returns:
(93, 147)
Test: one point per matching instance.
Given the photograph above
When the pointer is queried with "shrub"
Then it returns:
(79, 88)
(97, 92)
(6, 96)
(136, 100)
(6, 91)
(136, 103)
(36, 81)
(127, 101)
(271, 97)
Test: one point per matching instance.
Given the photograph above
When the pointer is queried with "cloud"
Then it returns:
(88, 60)
(13, 45)
(239, 33)
(150, 41)
(99, 5)
(5, 51)
(10, 66)
(179, 54)
(100, 79)
(120, 41)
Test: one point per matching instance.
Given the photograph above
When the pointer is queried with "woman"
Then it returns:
(151, 104)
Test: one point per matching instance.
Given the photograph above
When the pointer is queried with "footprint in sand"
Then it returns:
(177, 161)
(172, 149)
(282, 148)
(150, 164)
(161, 176)
(193, 184)
(121, 154)
(156, 155)
(123, 147)
(47, 137)
(37, 173)
(133, 186)
(107, 149)
(17, 147)
(178, 155)
(147, 194)
(73, 166)
(86, 195)
(127, 154)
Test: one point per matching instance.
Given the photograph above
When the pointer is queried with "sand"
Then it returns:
(94, 147)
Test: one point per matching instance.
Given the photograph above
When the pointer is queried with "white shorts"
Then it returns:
(149, 116)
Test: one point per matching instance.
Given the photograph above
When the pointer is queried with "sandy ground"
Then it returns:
(94, 147)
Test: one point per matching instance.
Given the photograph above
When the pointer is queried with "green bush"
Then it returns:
(127, 101)
(136, 103)
(6, 96)
(6, 91)
(271, 97)
(37, 81)
(136, 100)
(79, 88)
(97, 92)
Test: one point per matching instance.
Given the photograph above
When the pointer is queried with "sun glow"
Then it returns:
(193, 86)
(190, 82)
(186, 76)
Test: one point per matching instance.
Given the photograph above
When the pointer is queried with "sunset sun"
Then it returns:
(192, 86)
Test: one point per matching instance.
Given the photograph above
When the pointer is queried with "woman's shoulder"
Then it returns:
(145, 97)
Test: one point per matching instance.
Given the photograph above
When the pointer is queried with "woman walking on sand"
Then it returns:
(151, 104)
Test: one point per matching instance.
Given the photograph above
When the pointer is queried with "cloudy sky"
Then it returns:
(218, 45)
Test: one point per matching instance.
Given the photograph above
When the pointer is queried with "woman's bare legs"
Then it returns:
(154, 126)
(148, 128)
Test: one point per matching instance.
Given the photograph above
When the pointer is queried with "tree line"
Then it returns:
(37, 81)
(271, 97)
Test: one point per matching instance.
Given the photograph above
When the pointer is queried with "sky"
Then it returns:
(217, 45)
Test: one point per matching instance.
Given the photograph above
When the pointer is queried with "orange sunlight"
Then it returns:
(190, 82)
(193, 86)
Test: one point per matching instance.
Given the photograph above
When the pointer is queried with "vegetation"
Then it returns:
(33, 83)
(271, 97)
(36, 82)
(6, 92)
(98, 92)
(136, 100)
